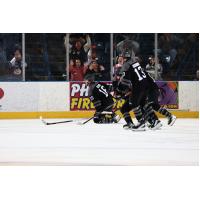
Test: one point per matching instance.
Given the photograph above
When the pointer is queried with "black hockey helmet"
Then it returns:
(127, 47)
(127, 55)
(89, 77)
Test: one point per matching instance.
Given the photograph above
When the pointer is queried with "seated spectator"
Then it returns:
(76, 70)
(97, 70)
(79, 50)
(150, 68)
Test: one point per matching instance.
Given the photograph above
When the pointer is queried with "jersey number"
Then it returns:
(102, 90)
(139, 73)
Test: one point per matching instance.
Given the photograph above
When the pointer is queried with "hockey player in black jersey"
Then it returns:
(102, 100)
(134, 77)
(143, 87)
(124, 91)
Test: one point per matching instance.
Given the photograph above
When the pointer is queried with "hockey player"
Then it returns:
(102, 100)
(143, 111)
(124, 90)
(134, 77)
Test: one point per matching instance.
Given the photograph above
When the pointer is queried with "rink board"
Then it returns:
(53, 100)
(77, 114)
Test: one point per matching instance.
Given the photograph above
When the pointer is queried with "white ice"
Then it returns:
(29, 142)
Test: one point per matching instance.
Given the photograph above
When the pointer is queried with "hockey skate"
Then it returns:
(116, 118)
(171, 120)
(155, 125)
(138, 127)
(128, 126)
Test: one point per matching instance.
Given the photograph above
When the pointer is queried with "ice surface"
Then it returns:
(29, 142)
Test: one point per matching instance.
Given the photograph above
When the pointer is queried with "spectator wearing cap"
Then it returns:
(77, 70)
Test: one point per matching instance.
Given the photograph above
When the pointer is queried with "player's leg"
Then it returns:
(98, 118)
(137, 98)
(151, 117)
(153, 97)
(104, 114)
(148, 112)
(114, 118)
(126, 108)
(171, 118)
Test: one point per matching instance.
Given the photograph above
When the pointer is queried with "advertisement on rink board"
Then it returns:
(1, 96)
(79, 99)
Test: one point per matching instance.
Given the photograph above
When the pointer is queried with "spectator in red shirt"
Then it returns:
(77, 71)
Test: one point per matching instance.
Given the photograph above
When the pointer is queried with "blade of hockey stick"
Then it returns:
(52, 123)
(82, 123)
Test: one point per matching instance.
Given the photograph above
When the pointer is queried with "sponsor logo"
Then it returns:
(79, 99)
(1, 95)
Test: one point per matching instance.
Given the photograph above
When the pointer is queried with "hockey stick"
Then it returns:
(52, 123)
(82, 123)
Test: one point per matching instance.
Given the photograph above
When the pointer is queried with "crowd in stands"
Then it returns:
(45, 59)
(178, 54)
(90, 52)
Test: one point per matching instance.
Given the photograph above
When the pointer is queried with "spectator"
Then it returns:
(92, 55)
(16, 65)
(168, 44)
(97, 70)
(119, 64)
(151, 67)
(79, 50)
(76, 70)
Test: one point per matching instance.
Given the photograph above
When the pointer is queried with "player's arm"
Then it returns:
(125, 79)
(124, 85)
(95, 98)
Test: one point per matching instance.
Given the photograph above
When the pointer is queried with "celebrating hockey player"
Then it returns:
(143, 88)
(102, 100)
(123, 90)
(134, 77)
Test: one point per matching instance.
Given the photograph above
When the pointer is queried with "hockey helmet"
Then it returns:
(89, 77)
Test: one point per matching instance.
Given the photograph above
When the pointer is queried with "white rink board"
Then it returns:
(55, 96)
(34, 96)
(189, 95)
(19, 96)
(29, 142)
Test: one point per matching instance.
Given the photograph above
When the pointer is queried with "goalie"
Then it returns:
(102, 100)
